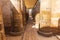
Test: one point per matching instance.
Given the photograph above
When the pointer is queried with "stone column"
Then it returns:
(45, 13)
(2, 31)
(23, 9)
(55, 12)
(17, 16)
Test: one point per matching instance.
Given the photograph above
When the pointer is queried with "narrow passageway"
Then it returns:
(30, 34)
(29, 20)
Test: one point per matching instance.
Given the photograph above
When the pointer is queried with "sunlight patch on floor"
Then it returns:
(36, 26)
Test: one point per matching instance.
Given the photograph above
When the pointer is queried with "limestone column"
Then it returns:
(23, 9)
(55, 12)
(30, 14)
(17, 16)
(2, 31)
(45, 13)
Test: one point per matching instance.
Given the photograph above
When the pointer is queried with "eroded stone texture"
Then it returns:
(45, 13)
(6, 8)
(55, 12)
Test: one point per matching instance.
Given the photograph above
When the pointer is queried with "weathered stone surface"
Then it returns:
(45, 13)
(0, 36)
(17, 18)
(55, 12)
(2, 32)
(6, 12)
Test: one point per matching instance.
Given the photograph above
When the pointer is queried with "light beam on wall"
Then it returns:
(16, 4)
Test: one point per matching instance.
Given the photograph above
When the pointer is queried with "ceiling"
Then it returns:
(30, 3)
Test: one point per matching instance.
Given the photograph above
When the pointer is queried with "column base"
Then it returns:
(15, 33)
(49, 31)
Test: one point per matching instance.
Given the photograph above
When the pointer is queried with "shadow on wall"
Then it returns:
(59, 23)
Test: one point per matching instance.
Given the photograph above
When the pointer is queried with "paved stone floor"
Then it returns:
(30, 34)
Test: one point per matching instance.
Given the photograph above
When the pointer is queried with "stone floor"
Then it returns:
(30, 34)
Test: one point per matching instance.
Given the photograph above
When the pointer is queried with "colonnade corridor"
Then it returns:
(29, 19)
(31, 34)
